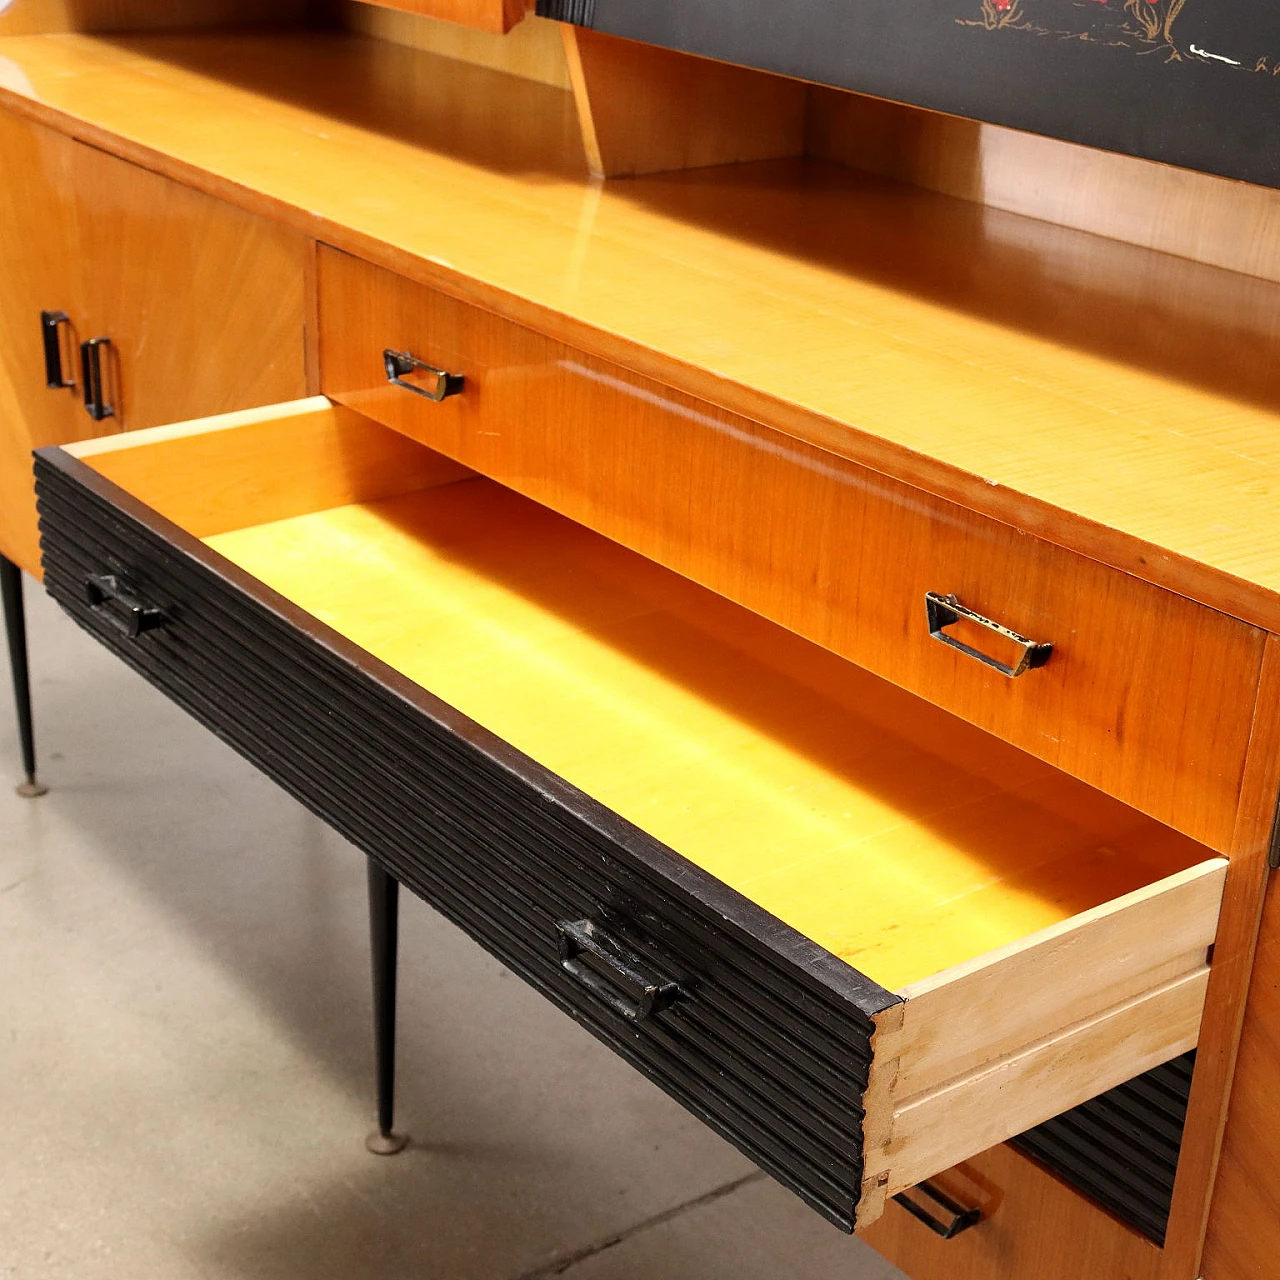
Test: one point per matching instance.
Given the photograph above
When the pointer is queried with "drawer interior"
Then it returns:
(894, 835)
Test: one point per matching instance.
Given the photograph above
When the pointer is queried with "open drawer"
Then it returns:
(861, 938)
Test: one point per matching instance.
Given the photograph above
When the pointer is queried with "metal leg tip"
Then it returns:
(30, 789)
(386, 1144)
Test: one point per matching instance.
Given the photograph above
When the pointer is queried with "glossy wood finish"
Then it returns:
(1033, 1226)
(831, 550)
(767, 761)
(214, 323)
(645, 109)
(485, 15)
(216, 320)
(1238, 479)
(37, 213)
(987, 357)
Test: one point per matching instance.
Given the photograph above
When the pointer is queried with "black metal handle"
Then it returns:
(961, 1218)
(51, 323)
(441, 385)
(945, 611)
(642, 994)
(116, 603)
(95, 401)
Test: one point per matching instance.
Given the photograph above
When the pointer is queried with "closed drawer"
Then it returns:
(1148, 696)
(1122, 1148)
(858, 936)
(1032, 1227)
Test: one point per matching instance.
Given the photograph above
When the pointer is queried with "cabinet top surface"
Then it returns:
(1109, 397)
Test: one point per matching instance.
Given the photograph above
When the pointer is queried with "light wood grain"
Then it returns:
(963, 1019)
(644, 109)
(879, 826)
(1033, 1226)
(268, 465)
(1194, 215)
(834, 551)
(497, 16)
(533, 50)
(978, 1052)
(215, 321)
(37, 213)
(987, 357)
(1065, 1069)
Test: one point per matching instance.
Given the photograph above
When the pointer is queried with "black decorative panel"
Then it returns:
(1188, 82)
(1122, 1148)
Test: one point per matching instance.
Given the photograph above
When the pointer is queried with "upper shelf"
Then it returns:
(1108, 397)
(1187, 82)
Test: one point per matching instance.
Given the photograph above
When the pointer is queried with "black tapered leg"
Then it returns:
(15, 622)
(384, 930)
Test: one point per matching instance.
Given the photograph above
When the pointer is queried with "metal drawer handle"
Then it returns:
(116, 603)
(643, 994)
(95, 400)
(961, 1218)
(51, 323)
(400, 364)
(944, 611)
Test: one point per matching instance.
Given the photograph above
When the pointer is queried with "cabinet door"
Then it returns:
(204, 304)
(1032, 1226)
(37, 273)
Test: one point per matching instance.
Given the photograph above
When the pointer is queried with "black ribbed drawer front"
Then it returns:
(766, 1037)
(1122, 1147)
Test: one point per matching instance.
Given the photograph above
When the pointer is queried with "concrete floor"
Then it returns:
(184, 1045)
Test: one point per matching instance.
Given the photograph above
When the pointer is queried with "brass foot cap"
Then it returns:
(30, 789)
(386, 1144)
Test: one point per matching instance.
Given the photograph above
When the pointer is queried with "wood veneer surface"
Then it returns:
(890, 833)
(1242, 1237)
(36, 211)
(1071, 1238)
(1103, 395)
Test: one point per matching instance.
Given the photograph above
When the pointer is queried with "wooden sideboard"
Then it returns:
(662, 395)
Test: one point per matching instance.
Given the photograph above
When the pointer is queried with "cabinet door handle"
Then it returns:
(51, 323)
(439, 385)
(115, 602)
(95, 401)
(960, 1219)
(641, 995)
(945, 611)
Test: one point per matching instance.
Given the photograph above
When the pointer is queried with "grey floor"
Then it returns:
(184, 1076)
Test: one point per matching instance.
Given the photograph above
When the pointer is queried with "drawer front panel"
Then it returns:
(1122, 1147)
(1033, 1227)
(1147, 696)
(769, 1042)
